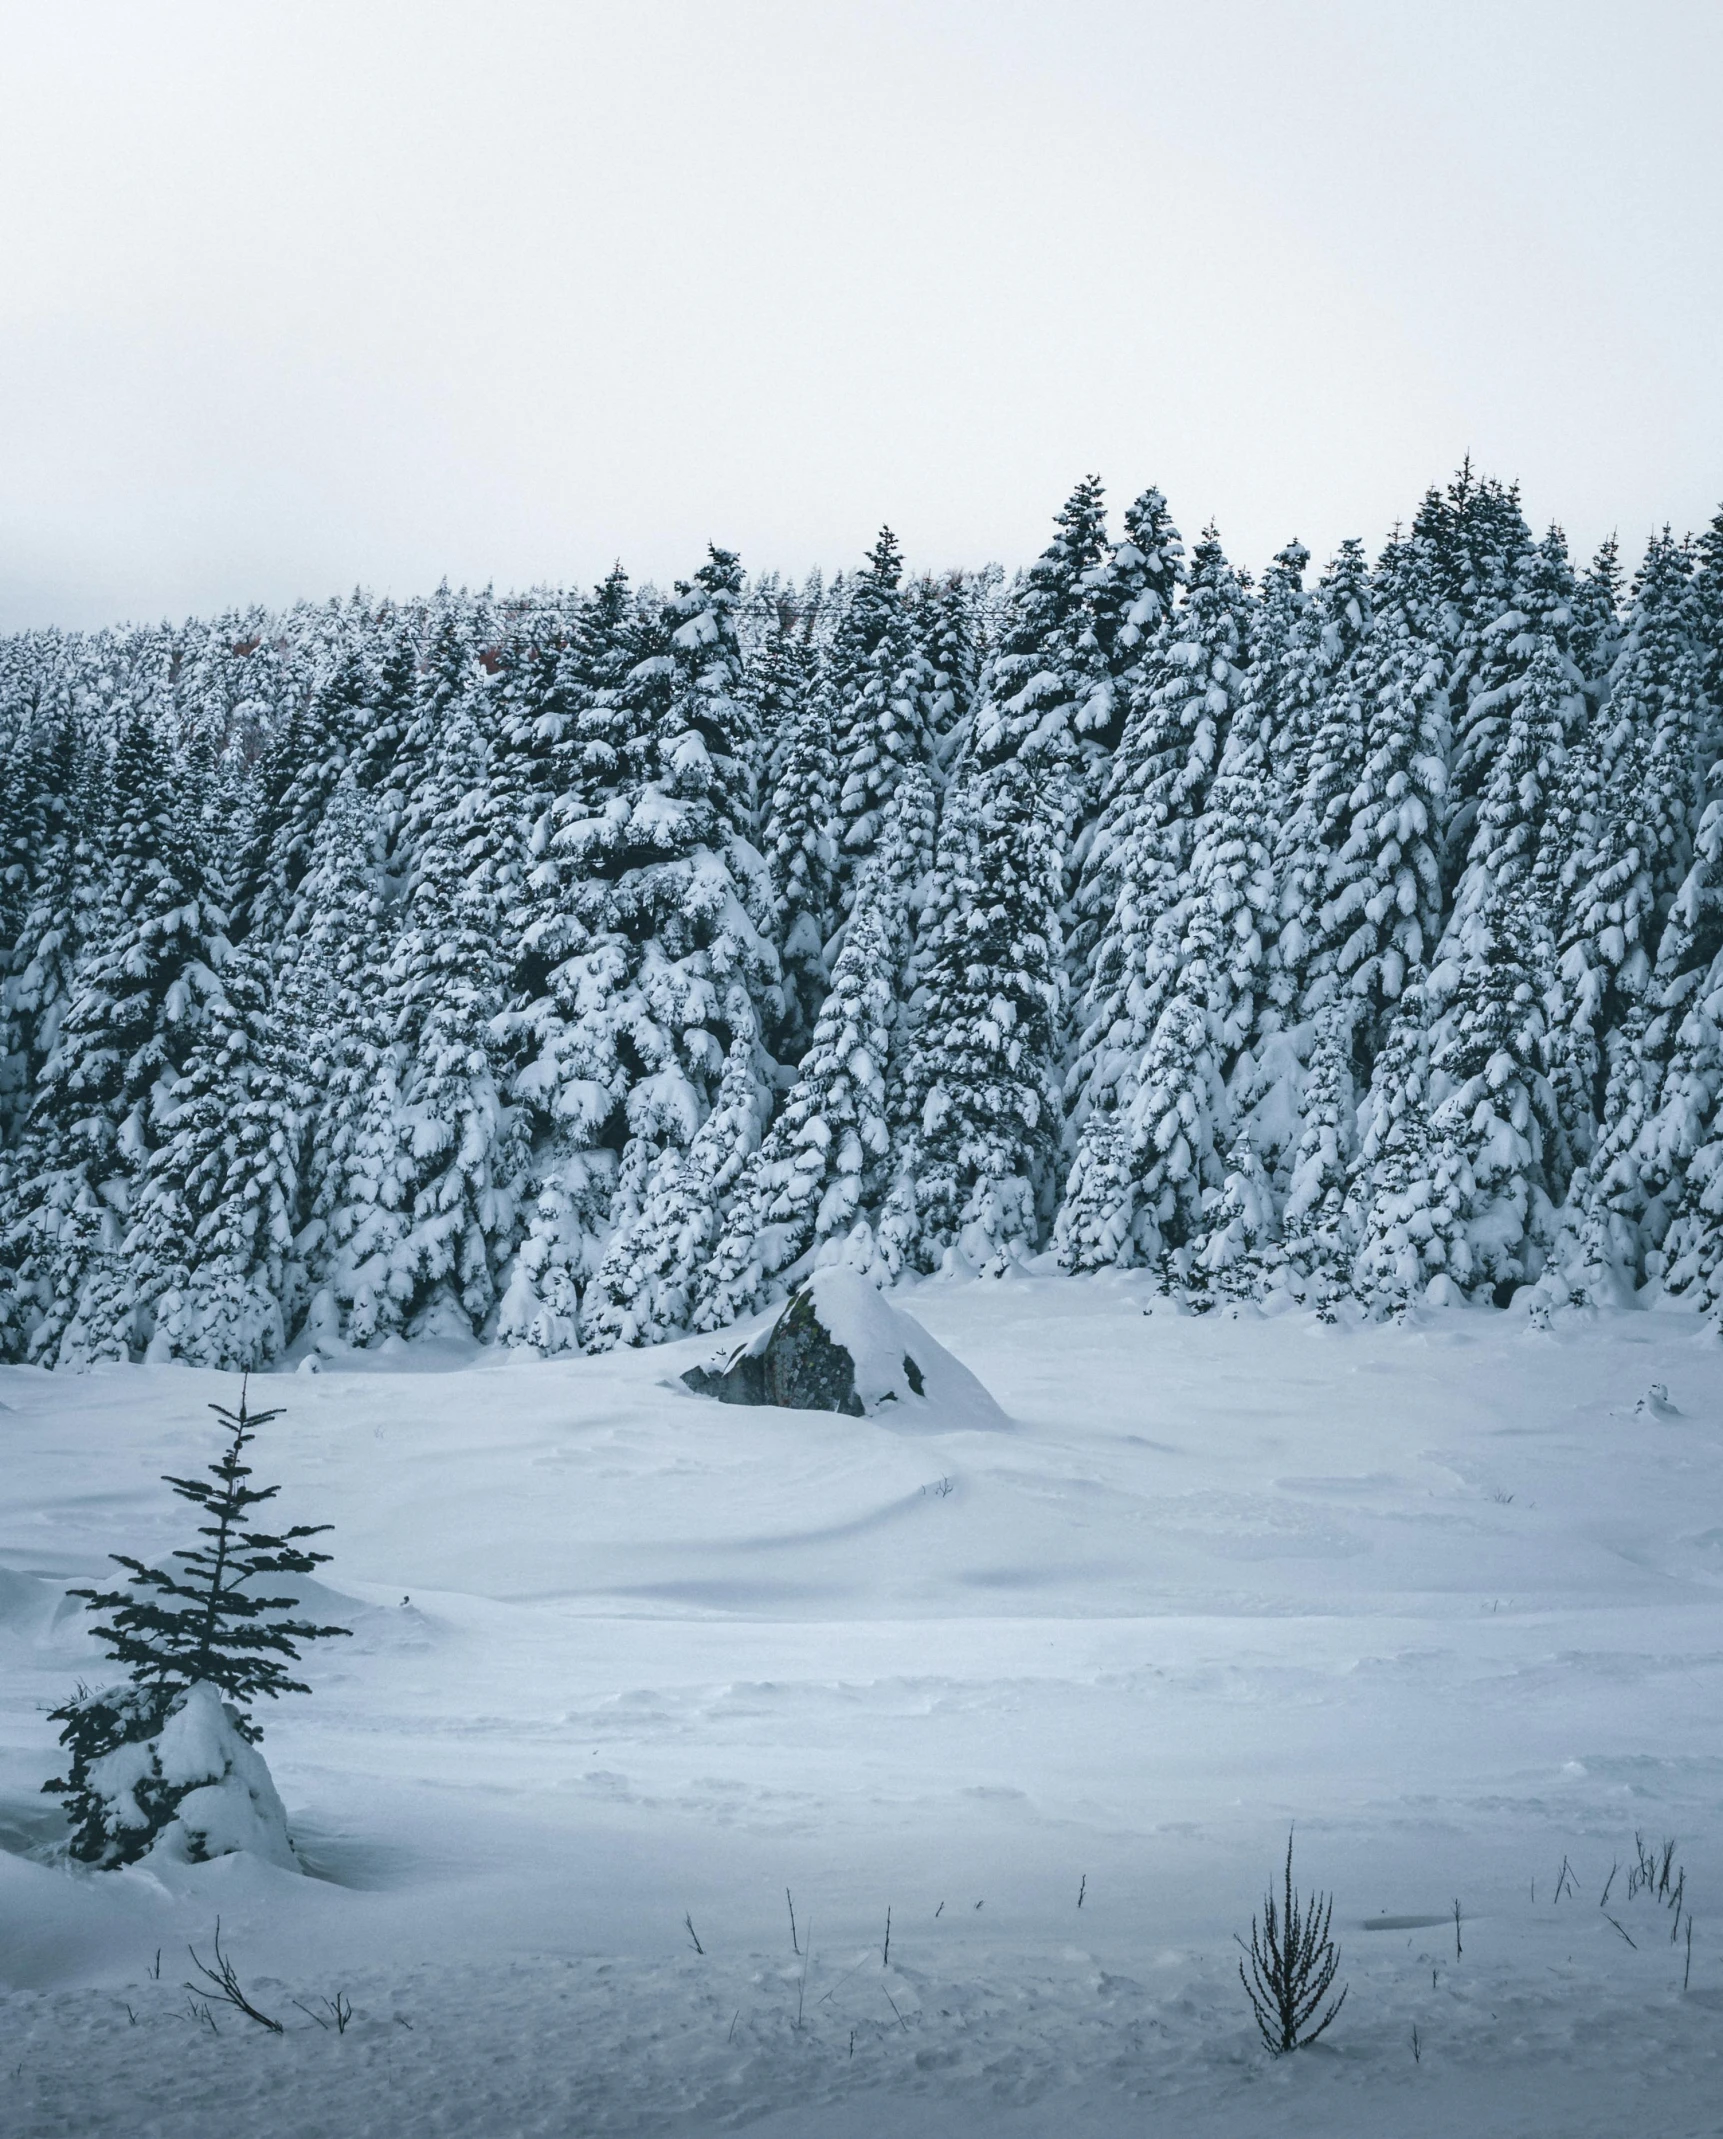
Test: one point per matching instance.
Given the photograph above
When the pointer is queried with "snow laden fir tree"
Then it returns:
(574, 969)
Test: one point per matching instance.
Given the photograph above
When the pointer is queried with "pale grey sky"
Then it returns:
(302, 295)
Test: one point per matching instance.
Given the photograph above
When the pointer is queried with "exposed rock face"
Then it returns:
(802, 1366)
(839, 1345)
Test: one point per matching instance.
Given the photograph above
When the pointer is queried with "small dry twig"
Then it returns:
(339, 2009)
(225, 1985)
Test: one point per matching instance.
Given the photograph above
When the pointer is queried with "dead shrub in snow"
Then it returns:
(1292, 1967)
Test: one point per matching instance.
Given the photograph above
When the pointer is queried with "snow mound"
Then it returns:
(33, 1609)
(221, 1794)
(866, 1358)
(897, 1364)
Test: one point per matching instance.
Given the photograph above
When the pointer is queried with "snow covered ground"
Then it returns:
(624, 1657)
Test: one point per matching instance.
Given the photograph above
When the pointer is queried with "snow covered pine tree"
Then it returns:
(167, 1759)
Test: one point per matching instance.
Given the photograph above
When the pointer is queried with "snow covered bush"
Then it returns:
(166, 1773)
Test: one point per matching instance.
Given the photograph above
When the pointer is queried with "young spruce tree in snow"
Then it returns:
(198, 1647)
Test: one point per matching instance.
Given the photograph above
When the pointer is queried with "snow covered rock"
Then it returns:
(839, 1346)
(181, 1785)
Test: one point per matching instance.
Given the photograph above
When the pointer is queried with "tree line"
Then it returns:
(571, 969)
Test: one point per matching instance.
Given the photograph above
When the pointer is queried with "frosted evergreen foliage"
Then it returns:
(332, 1018)
(824, 1164)
(881, 682)
(1382, 888)
(1494, 1106)
(1140, 874)
(1243, 1229)
(949, 631)
(648, 1283)
(981, 1097)
(685, 961)
(800, 844)
(1317, 1228)
(1410, 1190)
(1044, 667)
(211, 1243)
(1133, 594)
(1689, 1258)
(126, 1033)
(1323, 726)
(562, 967)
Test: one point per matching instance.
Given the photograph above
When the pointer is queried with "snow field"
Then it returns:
(1440, 1594)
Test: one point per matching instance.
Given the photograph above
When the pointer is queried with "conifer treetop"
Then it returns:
(174, 1627)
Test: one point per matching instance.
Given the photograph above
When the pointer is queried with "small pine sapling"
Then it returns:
(1292, 1967)
(177, 1628)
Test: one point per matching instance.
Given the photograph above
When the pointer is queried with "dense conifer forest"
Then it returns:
(570, 969)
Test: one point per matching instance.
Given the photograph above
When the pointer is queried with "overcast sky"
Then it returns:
(294, 297)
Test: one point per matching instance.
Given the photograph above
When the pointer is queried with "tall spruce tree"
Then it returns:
(684, 908)
(1042, 670)
(125, 1035)
(211, 1239)
(1160, 959)
(800, 843)
(880, 681)
(974, 1173)
(1381, 910)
